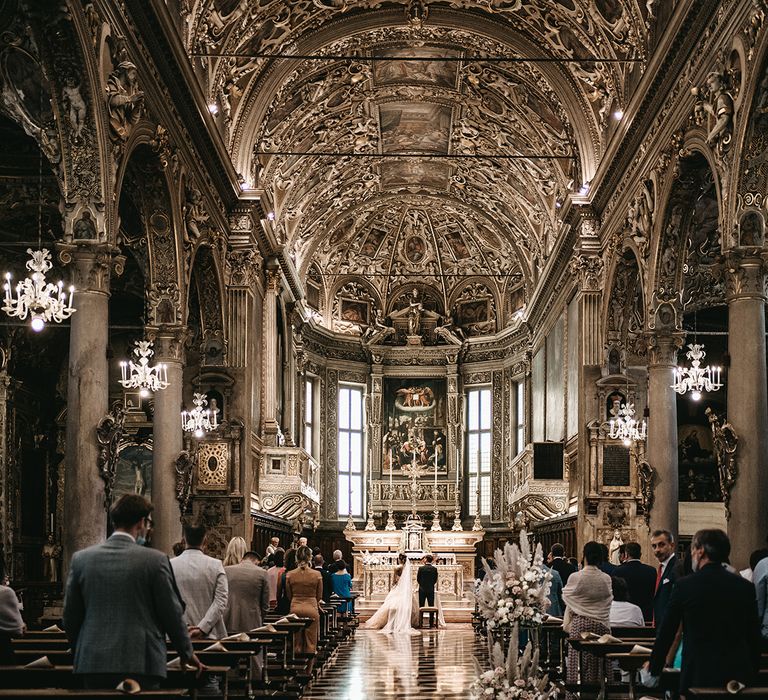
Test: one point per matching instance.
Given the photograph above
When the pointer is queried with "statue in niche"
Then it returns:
(613, 548)
(51, 555)
(646, 476)
(415, 311)
(750, 230)
(84, 229)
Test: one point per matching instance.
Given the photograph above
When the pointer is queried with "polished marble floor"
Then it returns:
(428, 664)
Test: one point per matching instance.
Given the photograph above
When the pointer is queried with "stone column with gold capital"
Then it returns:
(270, 425)
(747, 401)
(661, 451)
(85, 516)
(167, 436)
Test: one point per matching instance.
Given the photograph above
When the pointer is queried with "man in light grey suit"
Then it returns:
(203, 585)
(120, 602)
(248, 594)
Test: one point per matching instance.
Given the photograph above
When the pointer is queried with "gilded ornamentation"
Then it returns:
(184, 465)
(724, 441)
(213, 466)
(646, 479)
(109, 433)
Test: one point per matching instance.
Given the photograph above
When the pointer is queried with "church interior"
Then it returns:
(390, 275)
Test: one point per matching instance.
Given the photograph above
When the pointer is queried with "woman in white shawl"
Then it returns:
(400, 610)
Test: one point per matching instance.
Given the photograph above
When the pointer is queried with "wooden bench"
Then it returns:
(431, 613)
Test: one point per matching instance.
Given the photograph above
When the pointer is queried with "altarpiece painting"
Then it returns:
(414, 424)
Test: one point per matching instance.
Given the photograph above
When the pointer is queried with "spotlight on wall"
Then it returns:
(213, 108)
(584, 189)
(271, 216)
(618, 115)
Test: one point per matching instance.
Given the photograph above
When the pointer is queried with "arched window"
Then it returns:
(351, 450)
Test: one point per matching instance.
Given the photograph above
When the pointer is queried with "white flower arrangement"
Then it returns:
(512, 678)
(517, 590)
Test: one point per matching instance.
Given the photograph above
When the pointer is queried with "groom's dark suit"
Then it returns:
(426, 578)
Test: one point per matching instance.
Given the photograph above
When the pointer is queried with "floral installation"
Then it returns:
(512, 678)
(517, 590)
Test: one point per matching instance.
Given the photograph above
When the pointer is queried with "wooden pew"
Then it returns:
(166, 694)
(61, 677)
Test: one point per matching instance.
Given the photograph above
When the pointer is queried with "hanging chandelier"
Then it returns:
(200, 419)
(34, 297)
(626, 427)
(140, 375)
(696, 378)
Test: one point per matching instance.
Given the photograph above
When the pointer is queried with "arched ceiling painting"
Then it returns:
(411, 120)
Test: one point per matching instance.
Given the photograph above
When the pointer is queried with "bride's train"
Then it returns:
(400, 610)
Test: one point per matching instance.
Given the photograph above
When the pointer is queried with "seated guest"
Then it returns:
(336, 559)
(341, 582)
(283, 601)
(274, 573)
(319, 565)
(304, 589)
(587, 597)
(273, 545)
(121, 602)
(623, 613)
(719, 617)
(235, 551)
(640, 579)
(754, 559)
(11, 623)
(248, 594)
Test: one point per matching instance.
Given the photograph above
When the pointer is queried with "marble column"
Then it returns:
(270, 426)
(661, 450)
(747, 403)
(85, 515)
(167, 438)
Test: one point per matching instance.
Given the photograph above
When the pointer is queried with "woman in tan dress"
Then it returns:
(304, 586)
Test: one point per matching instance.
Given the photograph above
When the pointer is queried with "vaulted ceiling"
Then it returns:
(475, 117)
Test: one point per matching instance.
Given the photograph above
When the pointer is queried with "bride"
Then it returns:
(400, 610)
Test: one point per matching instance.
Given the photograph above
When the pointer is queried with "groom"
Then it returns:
(427, 578)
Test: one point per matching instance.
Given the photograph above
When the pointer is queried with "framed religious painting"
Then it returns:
(133, 470)
(414, 424)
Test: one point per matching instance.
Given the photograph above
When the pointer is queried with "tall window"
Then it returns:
(309, 415)
(479, 449)
(351, 451)
(520, 417)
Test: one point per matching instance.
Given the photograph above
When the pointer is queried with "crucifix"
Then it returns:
(413, 470)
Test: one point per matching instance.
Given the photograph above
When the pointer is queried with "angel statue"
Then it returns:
(724, 441)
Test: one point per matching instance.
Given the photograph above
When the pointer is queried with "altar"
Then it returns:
(375, 553)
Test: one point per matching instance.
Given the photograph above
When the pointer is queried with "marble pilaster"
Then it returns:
(85, 516)
(661, 450)
(270, 426)
(747, 402)
(167, 436)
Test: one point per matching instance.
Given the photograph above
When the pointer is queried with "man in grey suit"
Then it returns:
(203, 585)
(120, 603)
(248, 594)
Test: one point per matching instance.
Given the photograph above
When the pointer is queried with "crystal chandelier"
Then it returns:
(626, 427)
(35, 297)
(200, 419)
(139, 375)
(696, 378)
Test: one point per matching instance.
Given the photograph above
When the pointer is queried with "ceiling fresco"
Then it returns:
(395, 123)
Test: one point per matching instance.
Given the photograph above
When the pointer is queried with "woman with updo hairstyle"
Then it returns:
(236, 550)
(304, 587)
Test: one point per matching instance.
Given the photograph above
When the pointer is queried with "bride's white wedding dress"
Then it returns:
(400, 610)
